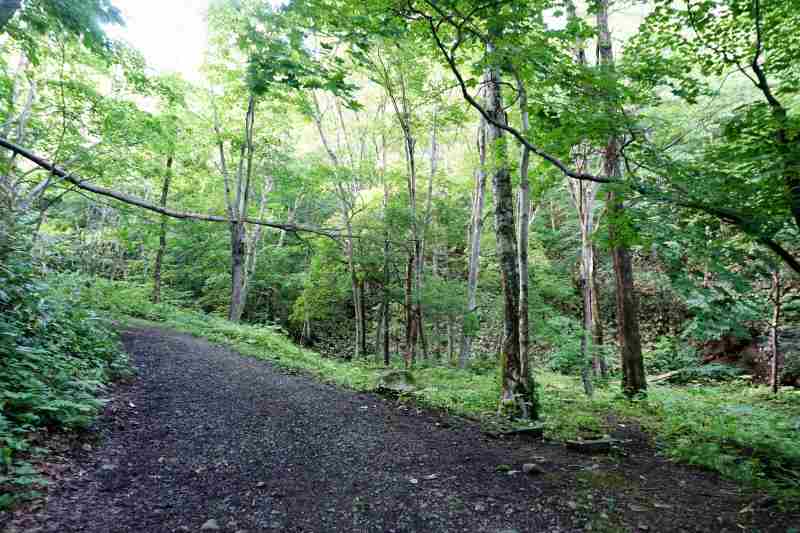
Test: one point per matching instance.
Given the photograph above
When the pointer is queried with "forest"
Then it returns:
(542, 215)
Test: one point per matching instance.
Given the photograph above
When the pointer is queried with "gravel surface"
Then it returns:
(208, 440)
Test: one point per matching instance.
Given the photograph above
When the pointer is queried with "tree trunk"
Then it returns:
(584, 196)
(516, 394)
(523, 209)
(476, 228)
(451, 340)
(289, 220)
(252, 243)
(238, 271)
(379, 329)
(423, 339)
(586, 378)
(362, 319)
(162, 236)
(414, 309)
(356, 293)
(423, 235)
(306, 334)
(633, 376)
(773, 334)
(237, 210)
(359, 318)
(411, 340)
(346, 203)
(349, 245)
(385, 319)
(598, 321)
(386, 334)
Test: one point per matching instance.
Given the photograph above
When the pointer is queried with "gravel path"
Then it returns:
(217, 436)
(208, 440)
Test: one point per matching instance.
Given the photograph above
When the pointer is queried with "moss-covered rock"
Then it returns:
(398, 381)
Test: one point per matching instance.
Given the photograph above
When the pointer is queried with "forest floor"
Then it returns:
(205, 439)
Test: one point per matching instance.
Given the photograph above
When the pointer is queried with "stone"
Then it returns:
(590, 446)
(210, 525)
(531, 433)
(397, 381)
(532, 469)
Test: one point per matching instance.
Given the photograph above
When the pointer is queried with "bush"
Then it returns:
(564, 335)
(669, 354)
(123, 298)
(790, 373)
(57, 357)
(711, 373)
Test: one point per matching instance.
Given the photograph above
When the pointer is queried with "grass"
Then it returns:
(737, 429)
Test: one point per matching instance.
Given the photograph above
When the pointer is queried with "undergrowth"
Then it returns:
(739, 430)
(57, 356)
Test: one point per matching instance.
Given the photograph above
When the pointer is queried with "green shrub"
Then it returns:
(791, 367)
(564, 335)
(710, 373)
(57, 357)
(669, 354)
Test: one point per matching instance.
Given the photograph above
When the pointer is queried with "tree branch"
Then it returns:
(451, 63)
(138, 202)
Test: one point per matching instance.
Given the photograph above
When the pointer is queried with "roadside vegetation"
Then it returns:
(58, 357)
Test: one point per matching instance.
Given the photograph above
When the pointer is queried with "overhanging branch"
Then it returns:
(81, 183)
(450, 59)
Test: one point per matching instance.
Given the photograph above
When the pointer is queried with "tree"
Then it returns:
(516, 390)
(747, 176)
(162, 234)
(27, 22)
(475, 230)
(633, 376)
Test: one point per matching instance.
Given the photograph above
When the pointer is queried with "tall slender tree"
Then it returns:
(474, 238)
(633, 375)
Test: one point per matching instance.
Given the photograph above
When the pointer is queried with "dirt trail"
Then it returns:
(206, 438)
